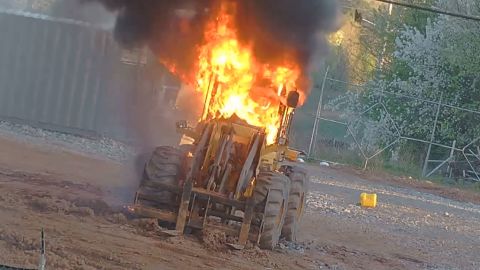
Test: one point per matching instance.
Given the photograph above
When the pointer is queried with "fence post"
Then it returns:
(313, 138)
(432, 137)
(449, 159)
(42, 263)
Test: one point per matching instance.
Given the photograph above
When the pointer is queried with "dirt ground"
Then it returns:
(79, 200)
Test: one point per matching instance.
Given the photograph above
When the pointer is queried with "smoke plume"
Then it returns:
(275, 28)
(94, 13)
(279, 27)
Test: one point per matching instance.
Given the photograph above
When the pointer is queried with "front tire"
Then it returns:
(272, 189)
(164, 167)
(296, 204)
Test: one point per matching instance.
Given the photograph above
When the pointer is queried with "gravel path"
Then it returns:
(444, 233)
(102, 148)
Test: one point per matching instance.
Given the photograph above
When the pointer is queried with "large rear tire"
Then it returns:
(296, 203)
(166, 166)
(272, 188)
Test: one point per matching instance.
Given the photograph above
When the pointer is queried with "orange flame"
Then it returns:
(233, 82)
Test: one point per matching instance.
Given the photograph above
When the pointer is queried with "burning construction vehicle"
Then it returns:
(250, 60)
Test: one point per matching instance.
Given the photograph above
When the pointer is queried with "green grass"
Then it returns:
(416, 172)
(333, 130)
(408, 170)
(343, 157)
(401, 168)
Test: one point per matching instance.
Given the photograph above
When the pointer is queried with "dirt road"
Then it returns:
(78, 199)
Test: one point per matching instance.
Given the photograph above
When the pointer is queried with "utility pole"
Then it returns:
(313, 138)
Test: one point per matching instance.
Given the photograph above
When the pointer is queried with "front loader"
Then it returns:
(229, 179)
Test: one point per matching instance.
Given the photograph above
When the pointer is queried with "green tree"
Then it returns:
(427, 56)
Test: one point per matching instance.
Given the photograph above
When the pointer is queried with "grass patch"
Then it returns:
(400, 168)
(414, 171)
(334, 155)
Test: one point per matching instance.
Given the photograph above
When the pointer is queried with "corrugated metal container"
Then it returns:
(63, 75)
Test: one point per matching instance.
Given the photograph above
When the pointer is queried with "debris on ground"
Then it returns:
(147, 224)
(118, 218)
(296, 247)
(214, 239)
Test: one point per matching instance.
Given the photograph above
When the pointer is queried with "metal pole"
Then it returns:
(432, 137)
(42, 263)
(445, 161)
(452, 151)
(319, 108)
(318, 114)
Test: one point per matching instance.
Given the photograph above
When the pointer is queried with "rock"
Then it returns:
(235, 246)
(147, 224)
(325, 164)
(119, 218)
(446, 214)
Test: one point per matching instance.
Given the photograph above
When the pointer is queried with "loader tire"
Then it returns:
(272, 188)
(296, 204)
(166, 167)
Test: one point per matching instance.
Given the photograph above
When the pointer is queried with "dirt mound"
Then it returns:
(99, 207)
(78, 206)
(20, 242)
(55, 205)
(214, 239)
(45, 205)
(118, 218)
(146, 226)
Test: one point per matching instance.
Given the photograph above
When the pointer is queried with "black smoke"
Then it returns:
(279, 28)
(275, 28)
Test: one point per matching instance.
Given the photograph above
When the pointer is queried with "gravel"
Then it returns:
(101, 147)
(293, 247)
(447, 230)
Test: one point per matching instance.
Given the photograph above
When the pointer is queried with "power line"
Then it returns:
(463, 16)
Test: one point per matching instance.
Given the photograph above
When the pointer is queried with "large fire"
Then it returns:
(233, 82)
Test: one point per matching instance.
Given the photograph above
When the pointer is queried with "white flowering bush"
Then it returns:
(437, 62)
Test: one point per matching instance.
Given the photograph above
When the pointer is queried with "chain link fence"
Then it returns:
(344, 136)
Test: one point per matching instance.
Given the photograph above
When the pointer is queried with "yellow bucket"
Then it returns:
(368, 200)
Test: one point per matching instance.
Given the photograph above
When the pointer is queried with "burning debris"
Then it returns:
(243, 56)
